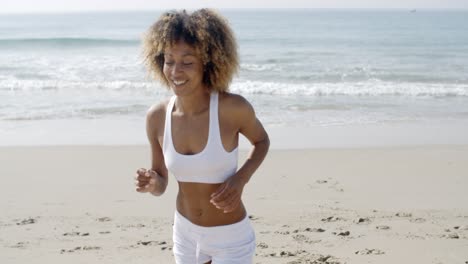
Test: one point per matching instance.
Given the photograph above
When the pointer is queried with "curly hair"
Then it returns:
(205, 30)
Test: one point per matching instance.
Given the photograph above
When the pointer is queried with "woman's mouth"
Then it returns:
(179, 82)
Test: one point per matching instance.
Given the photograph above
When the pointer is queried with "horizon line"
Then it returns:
(45, 12)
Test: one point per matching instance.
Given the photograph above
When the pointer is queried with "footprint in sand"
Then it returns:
(85, 248)
(156, 243)
(304, 239)
(334, 185)
(369, 252)
(27, 221)
(418, 220)
(262, 245)
(452, 236)
(327, 259)
(320, 259)
(332, 219)
(150, 243)
(317, 230)
(308, 229)
(345, 233)
(362, 220)
(383, 227)
(286, 254)
(20, 245)
(75, 234)
(71, 234)
(253, 218)
(300, 238)
(91, 248)
(403, 214)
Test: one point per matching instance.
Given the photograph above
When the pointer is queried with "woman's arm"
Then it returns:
(154, 180)
(253, 130)
(228, 195)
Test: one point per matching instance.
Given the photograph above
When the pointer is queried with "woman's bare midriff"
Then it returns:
(193, 202)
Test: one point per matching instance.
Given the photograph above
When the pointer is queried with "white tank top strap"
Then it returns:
(215, 133)
(167, 138)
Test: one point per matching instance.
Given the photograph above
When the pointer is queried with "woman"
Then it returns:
(194, 135)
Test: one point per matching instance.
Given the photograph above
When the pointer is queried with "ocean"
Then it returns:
(78, 78)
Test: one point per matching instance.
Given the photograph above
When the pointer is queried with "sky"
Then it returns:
(45, 6)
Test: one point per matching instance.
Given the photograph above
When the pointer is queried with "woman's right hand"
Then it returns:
(146, 180)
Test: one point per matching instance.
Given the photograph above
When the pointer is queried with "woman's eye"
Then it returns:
(188, 63)
(169, 63)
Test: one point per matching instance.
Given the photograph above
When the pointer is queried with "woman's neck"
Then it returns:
(194, 103)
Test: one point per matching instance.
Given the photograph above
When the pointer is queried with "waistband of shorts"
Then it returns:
(235, 227)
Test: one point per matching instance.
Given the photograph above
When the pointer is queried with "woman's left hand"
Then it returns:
(229, 194)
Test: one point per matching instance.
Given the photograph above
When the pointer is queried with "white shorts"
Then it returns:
(226, 244)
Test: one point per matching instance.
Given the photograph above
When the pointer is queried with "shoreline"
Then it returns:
(130, 132)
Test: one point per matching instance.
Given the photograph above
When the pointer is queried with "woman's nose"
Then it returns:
(176, 69)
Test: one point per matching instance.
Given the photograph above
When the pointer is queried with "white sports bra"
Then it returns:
(212, 165)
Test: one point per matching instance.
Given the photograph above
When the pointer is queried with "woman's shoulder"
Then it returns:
(235, 104)
(157, 111)
(233, 100)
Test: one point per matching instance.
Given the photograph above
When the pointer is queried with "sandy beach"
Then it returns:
(366, 106)
(77, 204)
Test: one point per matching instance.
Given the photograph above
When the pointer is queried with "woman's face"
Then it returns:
(183, 69)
